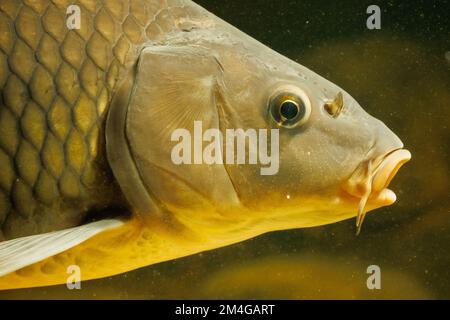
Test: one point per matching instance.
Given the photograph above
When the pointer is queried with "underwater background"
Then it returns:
(399, 74)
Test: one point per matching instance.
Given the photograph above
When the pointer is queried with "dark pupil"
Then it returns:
(289, 110)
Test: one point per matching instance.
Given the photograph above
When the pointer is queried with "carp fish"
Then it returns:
(87, 117)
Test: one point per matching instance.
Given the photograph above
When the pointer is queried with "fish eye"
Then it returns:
(289, 109)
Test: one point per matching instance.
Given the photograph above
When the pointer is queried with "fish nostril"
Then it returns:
(334, 108)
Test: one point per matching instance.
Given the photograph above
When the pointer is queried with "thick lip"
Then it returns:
(383, 173)
(368, 185)
(374, 176)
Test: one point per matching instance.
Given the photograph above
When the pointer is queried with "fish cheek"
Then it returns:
(314, 160)
(172, 103)
(341, 145)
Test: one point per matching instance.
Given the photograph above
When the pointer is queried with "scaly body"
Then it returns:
(56, 85)
(86, 128)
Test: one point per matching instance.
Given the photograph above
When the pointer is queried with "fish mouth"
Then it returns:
(369, 183)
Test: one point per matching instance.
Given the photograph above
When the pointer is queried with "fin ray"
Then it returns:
(21, 252)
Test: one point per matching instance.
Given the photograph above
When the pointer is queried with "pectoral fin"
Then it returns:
(21, 252)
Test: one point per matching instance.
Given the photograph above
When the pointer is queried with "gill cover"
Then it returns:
(171, 87)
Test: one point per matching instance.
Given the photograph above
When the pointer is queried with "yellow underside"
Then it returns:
(139, 243)
(125, 248)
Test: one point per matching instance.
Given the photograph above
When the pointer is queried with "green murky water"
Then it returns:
(401, 75)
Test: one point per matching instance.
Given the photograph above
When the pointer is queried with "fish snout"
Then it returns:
(385, 141)
(385, 159)
(368, 185)
(376, 171)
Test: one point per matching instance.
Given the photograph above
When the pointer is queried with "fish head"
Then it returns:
(329, 159)
(335, 161)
